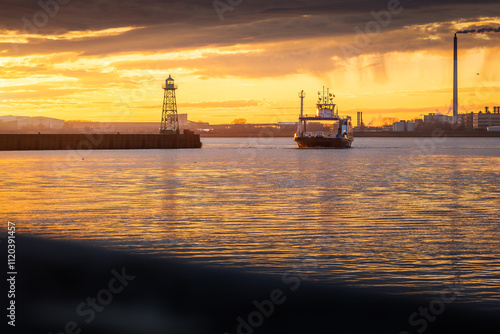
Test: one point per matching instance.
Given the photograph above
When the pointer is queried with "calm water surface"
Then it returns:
(404, 215)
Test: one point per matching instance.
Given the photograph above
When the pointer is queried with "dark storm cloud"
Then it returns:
(170, 25)
(102, 14)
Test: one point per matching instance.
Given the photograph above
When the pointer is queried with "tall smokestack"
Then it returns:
(455, 81)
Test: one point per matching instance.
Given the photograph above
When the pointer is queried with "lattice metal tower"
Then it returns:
(169, 119)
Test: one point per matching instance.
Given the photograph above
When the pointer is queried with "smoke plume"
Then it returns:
(479, 31)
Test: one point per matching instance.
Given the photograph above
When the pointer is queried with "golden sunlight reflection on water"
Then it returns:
(399, 214)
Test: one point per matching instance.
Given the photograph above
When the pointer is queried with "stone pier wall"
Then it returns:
(95, 141)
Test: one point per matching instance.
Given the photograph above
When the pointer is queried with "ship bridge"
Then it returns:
(325, 106)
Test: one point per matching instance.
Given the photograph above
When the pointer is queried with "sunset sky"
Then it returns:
(106, 60)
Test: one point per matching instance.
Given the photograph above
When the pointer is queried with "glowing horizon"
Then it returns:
(115, 73)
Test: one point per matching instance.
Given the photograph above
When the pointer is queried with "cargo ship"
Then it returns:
(339, 135)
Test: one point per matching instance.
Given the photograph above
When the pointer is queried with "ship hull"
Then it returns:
(311, 142)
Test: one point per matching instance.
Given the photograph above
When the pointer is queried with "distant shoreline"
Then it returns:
(414, 134)
(266, 133)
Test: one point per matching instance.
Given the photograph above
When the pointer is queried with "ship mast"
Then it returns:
(300, 129)
(302, 94)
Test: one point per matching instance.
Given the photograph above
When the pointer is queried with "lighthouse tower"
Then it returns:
(169, 119)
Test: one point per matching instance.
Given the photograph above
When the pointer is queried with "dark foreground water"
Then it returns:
(404, 215)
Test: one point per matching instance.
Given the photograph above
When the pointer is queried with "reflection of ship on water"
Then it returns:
(341, 135)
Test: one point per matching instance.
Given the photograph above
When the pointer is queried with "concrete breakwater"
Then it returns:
(96, 141)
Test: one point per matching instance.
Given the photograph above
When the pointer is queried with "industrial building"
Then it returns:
(481, 120)
(398, 126)
(183, 120)
(10, 118)
(359, 122)
(403, 126)
(437, 118)
(25, 122)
